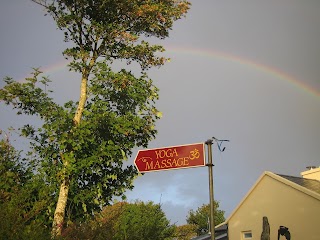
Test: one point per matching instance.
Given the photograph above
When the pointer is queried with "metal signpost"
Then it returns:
(177, 157)
(210, 166)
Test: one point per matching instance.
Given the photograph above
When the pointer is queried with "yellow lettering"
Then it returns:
(158, 154)
(174, 163)
(169, 153)
(174, 153)
(169, 163)
(164, 163)
(186, 161)
(166, 153)
(168, 159)
(149, 166)
(180, 160)
(157, 165)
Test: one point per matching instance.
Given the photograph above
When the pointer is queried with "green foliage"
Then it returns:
(13, 175)
(201, 216)
(144, 221)
(185, 232)
(114, 121)
(23, 207)
(129, 221)
(113, 29)
(82, 145)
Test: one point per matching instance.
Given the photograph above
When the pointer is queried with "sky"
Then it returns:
(247, 71)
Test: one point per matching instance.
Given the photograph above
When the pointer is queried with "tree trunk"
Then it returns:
(60, 209)
(64, 187)
(82, 100)
(83, 88)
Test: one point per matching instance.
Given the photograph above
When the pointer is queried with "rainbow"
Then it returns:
(47, 70)
(210, 53)
(55, 67)
(244, 61)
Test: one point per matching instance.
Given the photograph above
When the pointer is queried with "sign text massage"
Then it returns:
(184, 156)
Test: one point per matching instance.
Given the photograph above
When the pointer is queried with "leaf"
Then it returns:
(84, 207)
(124, 156)
(159, 114)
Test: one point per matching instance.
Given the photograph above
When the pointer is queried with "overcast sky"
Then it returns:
(247, 71)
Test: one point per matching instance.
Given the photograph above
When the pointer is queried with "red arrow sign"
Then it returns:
(158, 159)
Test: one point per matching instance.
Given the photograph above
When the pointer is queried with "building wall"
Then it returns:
(283, 205)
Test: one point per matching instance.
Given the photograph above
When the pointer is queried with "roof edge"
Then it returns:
(295, 185)
(245, 197)
(278, 178)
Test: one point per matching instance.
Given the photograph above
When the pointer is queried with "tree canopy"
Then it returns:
(123, 220)
(81, 145)
(200, 217)
(185, 232)
(23, 204)
(143, 221)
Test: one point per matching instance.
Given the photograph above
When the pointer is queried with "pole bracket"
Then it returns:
(210, 165)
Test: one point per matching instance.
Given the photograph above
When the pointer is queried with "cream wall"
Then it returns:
(312, 174)
(283, 205)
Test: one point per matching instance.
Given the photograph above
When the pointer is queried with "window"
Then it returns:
(246, 235)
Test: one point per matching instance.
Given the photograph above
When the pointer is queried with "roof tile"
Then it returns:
(311, 184)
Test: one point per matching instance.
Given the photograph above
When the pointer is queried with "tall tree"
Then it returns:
(13, 173)
(141, 220)
(22, 204)
(125, 221)
(201, 216)
(82, 144)
(185, 232)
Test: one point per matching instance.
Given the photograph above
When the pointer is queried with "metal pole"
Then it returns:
(209, 143)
